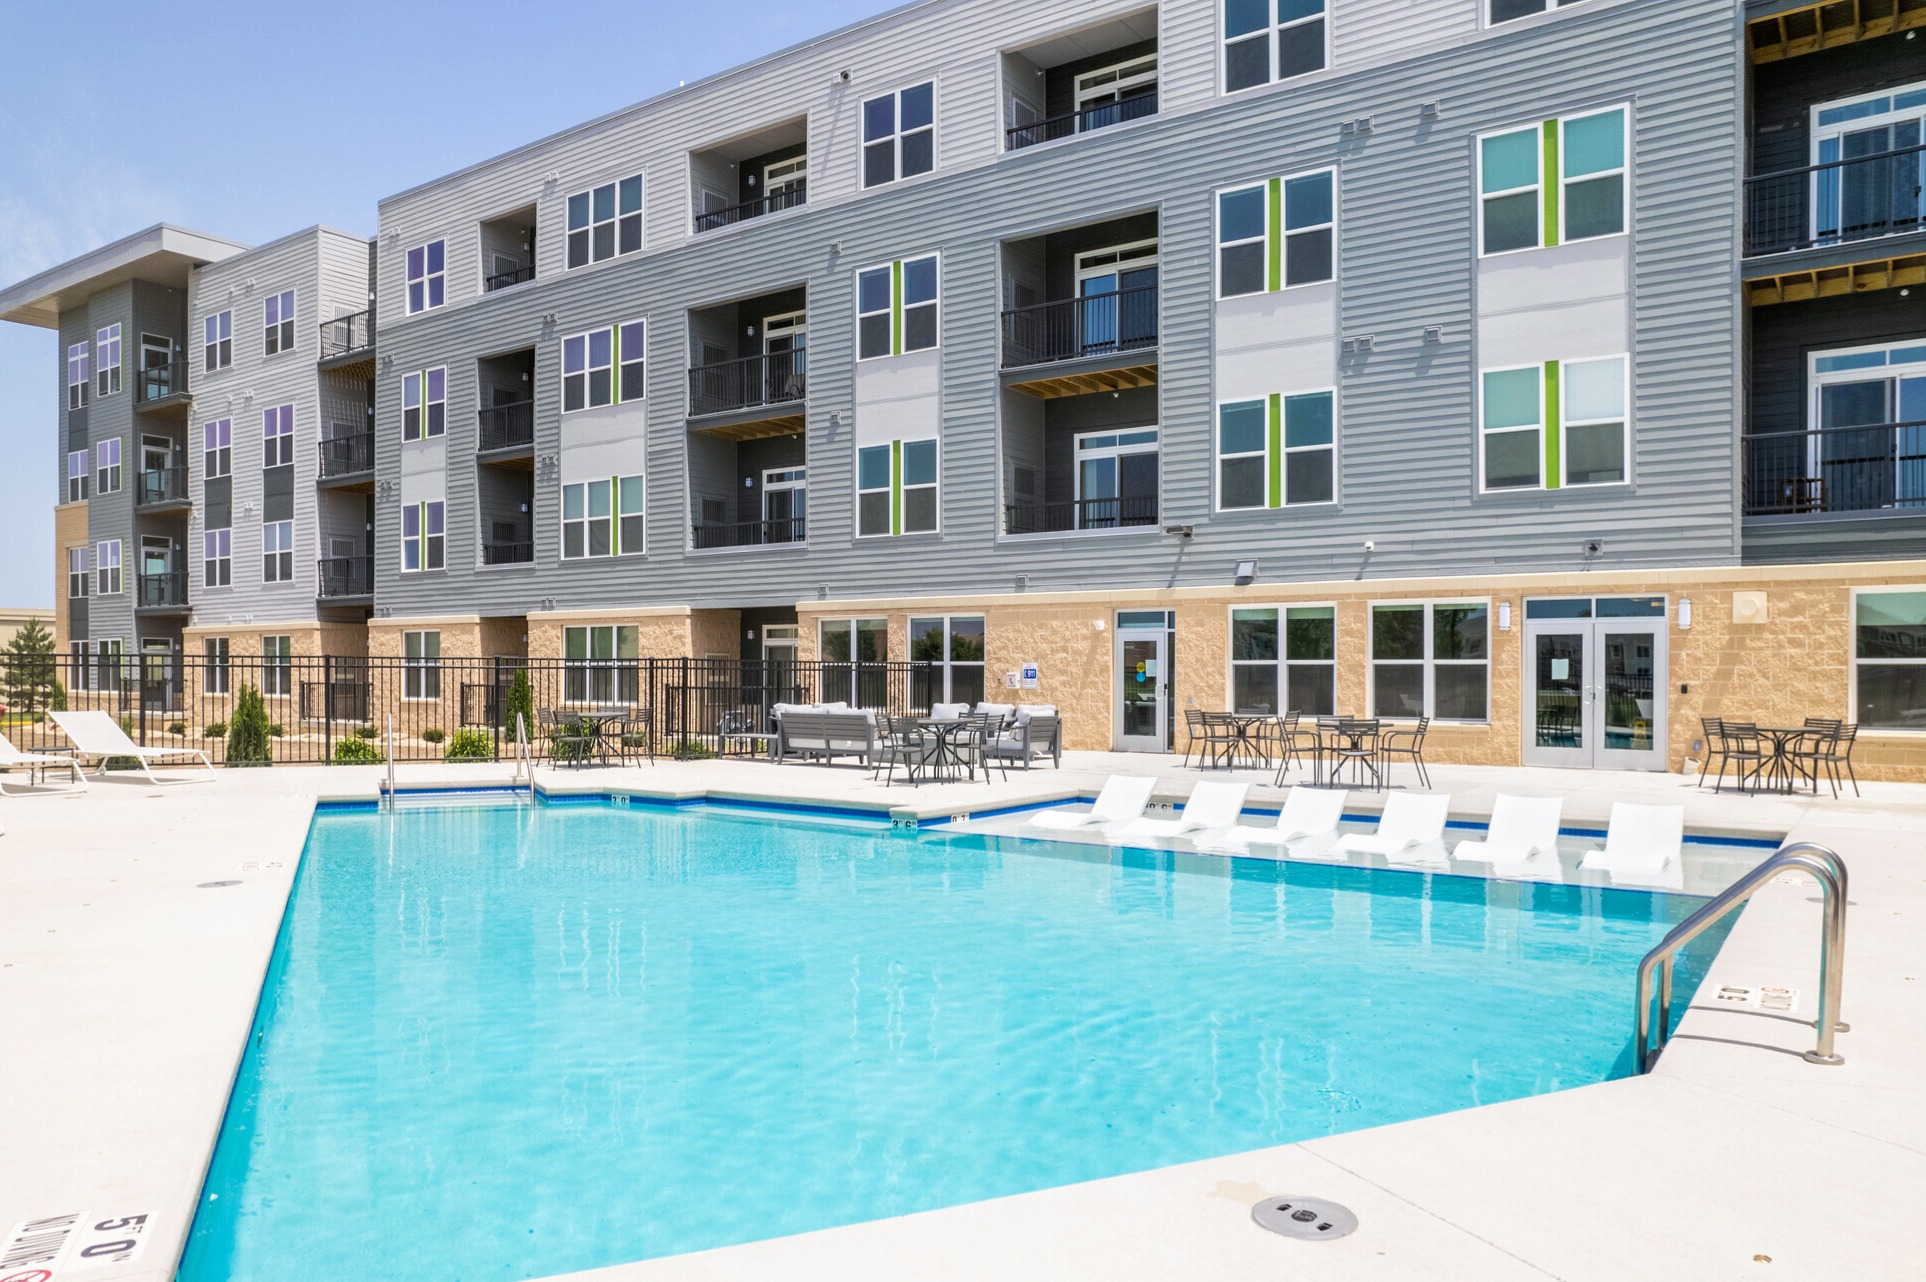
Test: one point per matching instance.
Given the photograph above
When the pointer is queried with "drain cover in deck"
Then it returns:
(1311, 1218)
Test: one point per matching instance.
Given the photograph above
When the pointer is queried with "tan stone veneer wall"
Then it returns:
(70, 531)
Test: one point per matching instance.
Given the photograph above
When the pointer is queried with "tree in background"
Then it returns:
(521, 698)
(30, 669)
(247, 732)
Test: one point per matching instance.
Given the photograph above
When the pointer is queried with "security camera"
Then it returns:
(842, 78)
(1370, 545)
(1594, 546)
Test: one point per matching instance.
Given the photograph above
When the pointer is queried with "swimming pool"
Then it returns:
(505, 1042)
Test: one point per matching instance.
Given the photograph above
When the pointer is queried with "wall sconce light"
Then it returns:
(1504, 616)
(1685, 614)
(749, 634)
(1245, 571)
(1097, 625)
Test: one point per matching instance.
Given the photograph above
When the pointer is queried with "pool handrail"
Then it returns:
(1825, 867)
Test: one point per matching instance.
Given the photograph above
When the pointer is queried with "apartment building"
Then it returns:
(1551, 370)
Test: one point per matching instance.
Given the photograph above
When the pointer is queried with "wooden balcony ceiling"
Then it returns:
(1109, 380)
(1827, 26)
(1837, 282)
(784, 425)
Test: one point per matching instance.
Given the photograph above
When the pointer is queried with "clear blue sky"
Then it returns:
(250, 121)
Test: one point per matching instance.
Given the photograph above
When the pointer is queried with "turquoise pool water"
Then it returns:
(506, 1042)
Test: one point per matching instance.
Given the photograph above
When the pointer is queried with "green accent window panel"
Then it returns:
(1550, 181)
(1554, 466)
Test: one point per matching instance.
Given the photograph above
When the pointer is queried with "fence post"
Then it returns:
(682, 716)
(327, 707)
(493, 704)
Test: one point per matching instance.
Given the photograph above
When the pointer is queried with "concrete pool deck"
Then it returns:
(128, 990)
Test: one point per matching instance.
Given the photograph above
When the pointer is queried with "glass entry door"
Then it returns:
(1595, 683)
(1143, 679)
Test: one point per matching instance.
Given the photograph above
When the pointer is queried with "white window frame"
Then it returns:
(426, 280)
(1270, 42)
(79, 472)
(107, 466)
(1538, 429)
(620, 363)
(1429, 662)
(899, 307)
(1083, 91)
(217, 557)
(421, 666)
(215, 658)
(1118, 450)
(935, 487)
(601, 681)
(1282, 665)
(277, 335)
(1537, 186)
(1284, 443)
(1281, 217)
(948, 664)
(106, 374)
(108, 579)
(217, 449)
(897, 134)
(615, 222)
(1565, 183)
(79, 573)
(217, 346)
(1852, 653)
(1545, 7)
(429, 411)
(277, 551)
(1261, 453)
(1566, 422)
(277, 667)
(887, 489)
(428, 543)
(277, 436)
(79, 382)
(109, 653)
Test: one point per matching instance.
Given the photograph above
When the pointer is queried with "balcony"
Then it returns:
(1079, 515)
(347, 461)
(750, 177)
(162, 387)
(1141, 107)
(163, 489)
(344, 579)
(162, 593)
(1870, 469)
(1081, 81)
(347, 340)
(793, 196)
(747, 534)
(508, 553)
(1836, 204)
(508, 249)
(754, 382)
(505, 429)
(1077, 328)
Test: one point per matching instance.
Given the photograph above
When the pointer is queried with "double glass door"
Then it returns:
(1117, 299)
(1595, 683)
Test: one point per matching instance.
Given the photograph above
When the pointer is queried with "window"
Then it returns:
(1274, 235)
(1278, 452)
(107, 655)
(421, 665)
(954, 647)
(1285, 660)
(422, 537)
(602, 518)
(1889, 659)
(217, 332)
(424, 404)
(217, 449)
(896, 488)
(77, 572)
(1268, 40)
(604, 222)
(214, 665)
(427, 278)
(277, 551)
(277, 662)
(899, 135)
(217, 558)
(1506, 10)
(278, 317)
(107, 362)
(1431, 661)
(107, 568)
(1554, 425)
(599, 665)
(277, 436)
(77, 376)
(1545, 184)
(605, 366)
(896, 308)
(107, 466)
(856, 643)
(77, 476)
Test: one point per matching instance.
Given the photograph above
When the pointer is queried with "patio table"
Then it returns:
(1778, 769)
(1360, 748)
(944, 731)
(1246, 739)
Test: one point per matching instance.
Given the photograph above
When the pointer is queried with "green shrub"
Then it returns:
(247, 734)
(274, 730)
(58, 702)
(635, 742)
(691, 750)
(468, 745)
(520, 698)
(177, 727)
(214, 730)
(357, 752)
(127, 726)
(432, 735)
(366, 732)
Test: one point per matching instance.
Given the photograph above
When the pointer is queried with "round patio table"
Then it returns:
(1778, 769)
(946, 756)
(1245, 740)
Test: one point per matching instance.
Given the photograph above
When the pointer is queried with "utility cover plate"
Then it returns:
(1310, 1218)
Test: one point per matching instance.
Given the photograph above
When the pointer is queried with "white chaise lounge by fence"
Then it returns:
(97, 735)
(1642, 847)
(11, 758)
(1123, 799)
(1522, 839)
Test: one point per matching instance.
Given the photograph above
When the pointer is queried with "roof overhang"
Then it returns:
(163, 254)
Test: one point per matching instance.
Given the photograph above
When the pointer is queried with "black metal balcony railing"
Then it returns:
(748, 534)
(778, 378)
(1836, 203)
(344, 576)
(345, 335)
(1099, 325)
(167, 485)
(502, 280)
(1081, 122)
(508, 553)
(1082, 514)
(162, 590)
(1836, 469)
(794, 196)
(347, 455)
(507, 427)
(160, 381)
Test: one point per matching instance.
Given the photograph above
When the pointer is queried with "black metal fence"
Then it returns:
(344, 576)
(444, 709)
(162, 486)
(1082, 514)
(775, 379)
(1830, 204)
(794, 196)
(1140, 107)
(1836, 469)
(348, 455)
(345, 335)
(502, 280)
(749, 534)
(1097, 325)
(504, 427)
(158, 382)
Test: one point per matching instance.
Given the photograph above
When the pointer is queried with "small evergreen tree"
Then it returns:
(521, 698)
(247, 731)
(59, 701)
(30, 669)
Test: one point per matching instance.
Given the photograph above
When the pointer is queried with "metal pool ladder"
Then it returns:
(1829, 870)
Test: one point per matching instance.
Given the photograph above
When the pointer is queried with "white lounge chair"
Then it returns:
(1307, 824)
(1522, 839)
(11, 758)
(95, 734)
(1410, 831)
(1642, 847)
(1211, 808)
(1123, 799)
